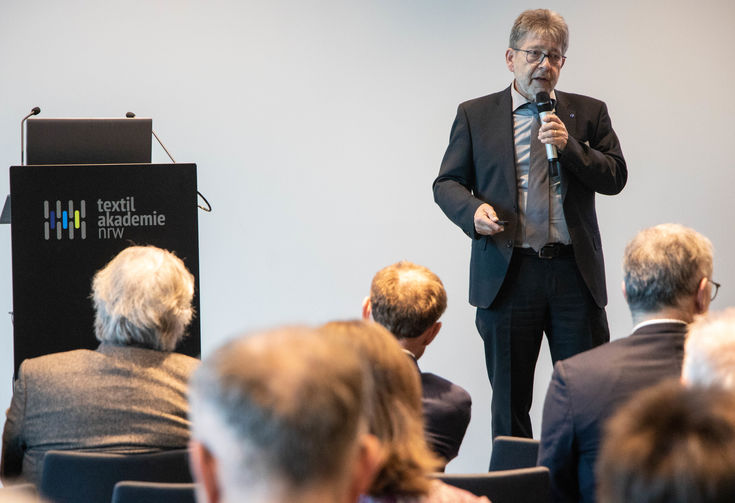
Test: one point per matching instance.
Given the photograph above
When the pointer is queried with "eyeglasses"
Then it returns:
(717, 288)
(536, 56)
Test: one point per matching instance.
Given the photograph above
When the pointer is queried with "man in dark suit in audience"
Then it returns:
(128, 396)
(282, 416)
(667, 282)
(408, 300)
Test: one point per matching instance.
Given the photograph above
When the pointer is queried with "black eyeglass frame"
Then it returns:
(717, 289)
(543, 55)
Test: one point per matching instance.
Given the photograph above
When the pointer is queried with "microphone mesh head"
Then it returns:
(543, 101)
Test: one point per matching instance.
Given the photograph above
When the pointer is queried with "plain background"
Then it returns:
(318, 128)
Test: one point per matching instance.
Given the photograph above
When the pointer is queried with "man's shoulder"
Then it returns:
(434, 386)
(578, 99)
(487, 100)
(54, 361)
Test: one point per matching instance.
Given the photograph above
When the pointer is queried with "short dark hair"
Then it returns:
(670, 444)
(407, 298)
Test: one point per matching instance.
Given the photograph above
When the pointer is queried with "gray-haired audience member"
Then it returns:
(667, 272)
(408, 300)
(281, 417)
(128, 396)
(709, 353)
(670, 444)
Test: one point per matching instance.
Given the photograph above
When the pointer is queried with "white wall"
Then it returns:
(319, 126)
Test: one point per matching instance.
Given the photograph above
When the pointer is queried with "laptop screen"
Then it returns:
(88, 141)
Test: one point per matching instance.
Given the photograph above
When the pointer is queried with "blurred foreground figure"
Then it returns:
(395, 419)
(128, 396)
(280, 417)
(709, 353)
(670, 444)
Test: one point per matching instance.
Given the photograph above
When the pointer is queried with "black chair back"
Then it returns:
(73, 476)
(510, 453)
(153, 492)
(525, 485)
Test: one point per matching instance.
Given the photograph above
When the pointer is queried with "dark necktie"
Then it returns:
(537, 203)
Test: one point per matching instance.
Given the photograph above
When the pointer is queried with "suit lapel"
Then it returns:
(503, 124)
(568, 115)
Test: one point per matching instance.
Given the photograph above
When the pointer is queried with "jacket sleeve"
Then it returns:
(557, 449)
(13, 441)
(455, 183)
(597, 163)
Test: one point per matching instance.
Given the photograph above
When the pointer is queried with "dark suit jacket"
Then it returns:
(585, 391)
(116, 399)
(447, 409)
(479, 167)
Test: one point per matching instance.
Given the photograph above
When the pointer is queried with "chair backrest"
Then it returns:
(525, 485)
(510, 453)
(73, 476)
(153, 492)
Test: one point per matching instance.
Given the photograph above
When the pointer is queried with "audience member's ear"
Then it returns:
(625, 294)
(370, 458)
(431, 333)
(703, 297)
(367, 308)
(203, 467)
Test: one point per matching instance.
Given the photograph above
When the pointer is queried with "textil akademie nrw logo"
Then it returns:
(64, 220)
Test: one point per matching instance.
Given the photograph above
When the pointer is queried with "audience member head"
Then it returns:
(408, 300)
(670, 444)
(142, 297)
(709, 352)
(396, 415)
(281, 416)
(541, 22)
(667, 270)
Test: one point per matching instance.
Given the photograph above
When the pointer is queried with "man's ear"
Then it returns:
(367, 308)
(431, 333)
(625, 294)
(509, 54)
(203, 467)
(370, 459)
(702, 299)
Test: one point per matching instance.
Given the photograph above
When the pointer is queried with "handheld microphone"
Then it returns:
(34, 111)
(546, 107)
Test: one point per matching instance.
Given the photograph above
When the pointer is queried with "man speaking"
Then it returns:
(536, 264)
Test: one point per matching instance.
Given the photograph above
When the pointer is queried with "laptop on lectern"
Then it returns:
(89, 141)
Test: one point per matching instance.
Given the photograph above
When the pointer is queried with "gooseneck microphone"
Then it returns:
(545, 107)
(34, 111)
(208, 208)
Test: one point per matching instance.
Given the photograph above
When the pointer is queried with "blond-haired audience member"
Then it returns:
(395, 419)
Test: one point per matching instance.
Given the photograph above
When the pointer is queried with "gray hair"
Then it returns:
(283, 407)
(142, 297)
(542, 22)
(663, 264)
(709, 352)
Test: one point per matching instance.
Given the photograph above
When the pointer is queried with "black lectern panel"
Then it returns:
(69, 221)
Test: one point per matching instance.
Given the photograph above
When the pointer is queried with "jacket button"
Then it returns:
(509, 244)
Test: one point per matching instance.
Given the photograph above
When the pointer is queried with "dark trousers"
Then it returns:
(537, 296)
